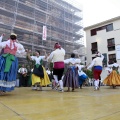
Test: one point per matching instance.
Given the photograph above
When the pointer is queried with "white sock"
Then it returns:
(61, 84)
(96, 83)
(56, 78)
(36, 86)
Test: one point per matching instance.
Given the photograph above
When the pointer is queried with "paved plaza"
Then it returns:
(83, 104)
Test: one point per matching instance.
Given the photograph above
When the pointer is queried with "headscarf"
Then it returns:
(98, 54)
(13, 34)
(13, 37)
(57, 45)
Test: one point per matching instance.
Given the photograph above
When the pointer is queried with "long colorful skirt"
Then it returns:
(8, 79)
(43, 81)
(82, 79)
(112, 79)
(71, 78)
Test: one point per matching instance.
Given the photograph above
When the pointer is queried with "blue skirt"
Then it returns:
(8, 79)
(82, 79)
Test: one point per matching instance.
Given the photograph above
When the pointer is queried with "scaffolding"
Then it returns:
(27, 17)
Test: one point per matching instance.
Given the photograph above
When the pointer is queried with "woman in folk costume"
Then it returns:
(39, 75)
(57, 57)
(9, 63)
(71, 76)
(97, 68)
(1, 49)
(81, 75)
(113, 79)
(109, 70)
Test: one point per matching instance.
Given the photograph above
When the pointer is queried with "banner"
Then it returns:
(44, 34)
(118, 52)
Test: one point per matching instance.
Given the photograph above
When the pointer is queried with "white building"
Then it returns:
(104, 37)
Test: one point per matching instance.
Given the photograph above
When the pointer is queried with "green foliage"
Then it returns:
(89, 73)
(51, 66)
(19, 66)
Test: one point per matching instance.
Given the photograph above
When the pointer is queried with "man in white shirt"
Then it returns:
(97, 64)
(57, 57)
(23, 76)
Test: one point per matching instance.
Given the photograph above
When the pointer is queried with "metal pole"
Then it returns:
(34, 26)
(15, 14)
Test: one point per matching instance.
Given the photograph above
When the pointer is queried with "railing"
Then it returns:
(7, 7)
(111, 45)
(28, 3)
(24, 25)
(6, 20)
(25, 13)
(78, 14)
(41, 19)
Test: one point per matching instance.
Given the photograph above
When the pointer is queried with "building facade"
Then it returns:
(27, 18)
(104, 37)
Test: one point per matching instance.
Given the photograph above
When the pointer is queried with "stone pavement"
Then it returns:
(83, 104)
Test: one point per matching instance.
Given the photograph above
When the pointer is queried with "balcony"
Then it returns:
(110, 45)
(94, 50)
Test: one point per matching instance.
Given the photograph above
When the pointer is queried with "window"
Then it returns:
(111, 44)
(108, 28)
(112, 57)
(93, 32)
(94, 45)
(94, 48)
(111, 41)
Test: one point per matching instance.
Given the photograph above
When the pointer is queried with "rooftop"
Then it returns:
(101, 23)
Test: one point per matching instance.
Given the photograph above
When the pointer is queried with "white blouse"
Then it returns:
(72, 61)
(20, 48)
(108, 69)
(114, 65)
(37, 59)
(80, 72)
(80, 67)
(22, 70)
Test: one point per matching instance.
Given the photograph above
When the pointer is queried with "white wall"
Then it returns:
(101, 39)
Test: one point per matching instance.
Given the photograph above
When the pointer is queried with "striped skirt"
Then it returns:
(71, 78)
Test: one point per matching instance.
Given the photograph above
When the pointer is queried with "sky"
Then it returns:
(95, 11)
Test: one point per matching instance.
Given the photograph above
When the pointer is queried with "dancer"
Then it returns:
(1, 49)
(71, 76)
(57, 57)
(81, 75)
(109, 70)
(115, 66)
(9, 63)
(113, 79)
(97, 64)
(39, 76)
